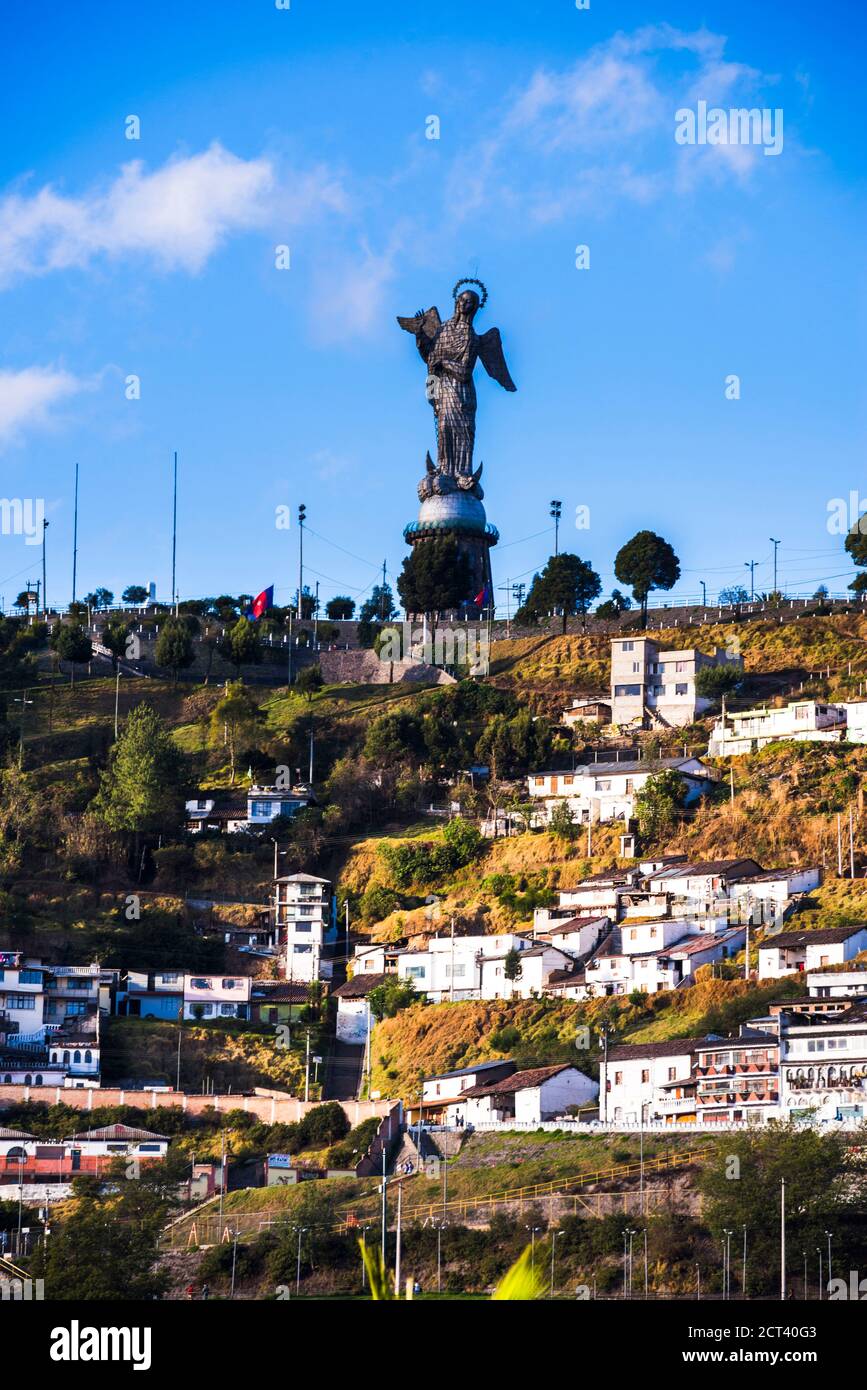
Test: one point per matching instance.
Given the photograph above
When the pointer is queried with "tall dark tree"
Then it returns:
(436, 576)
(174, 648)
(566, 585)
(241, 645)
(72, 644)
(379, 607)
(141, 790)
(134, 593)
(856, 547)
(645, 563)
(341, 606)
(114, 636)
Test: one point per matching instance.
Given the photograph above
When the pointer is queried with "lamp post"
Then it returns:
(775, 544)
(828, 1234)
(301, 1230)
(751, 566)
(554, 1235)
(744, 1269)
(556, 512)
(302, 513)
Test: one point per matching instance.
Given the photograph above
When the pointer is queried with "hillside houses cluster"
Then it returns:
(804, 1060)
(648, 928)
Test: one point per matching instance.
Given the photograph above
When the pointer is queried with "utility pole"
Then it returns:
(307, 1069)
(45, 526)
(782, 1240)
(116, 701)
(75, 535)
(556, 512)
(175, 534)
(382, 613)
(839, 847)
(851, 846)
(751, 566)
(316, 616)
(384, 1236)
(703, 593)
(302, 512)
(775, 544)
(397, 1241)
(507, 589)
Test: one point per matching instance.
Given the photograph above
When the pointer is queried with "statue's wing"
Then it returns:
(493, 361)
(425, 323)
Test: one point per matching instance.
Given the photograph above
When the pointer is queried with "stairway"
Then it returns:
(345, 1072)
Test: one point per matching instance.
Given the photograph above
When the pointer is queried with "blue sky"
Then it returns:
(263, 127)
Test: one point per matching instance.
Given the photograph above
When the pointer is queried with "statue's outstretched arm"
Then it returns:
(493, 359)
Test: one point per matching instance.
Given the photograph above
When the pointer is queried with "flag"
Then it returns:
(482, 599)
(261, 603)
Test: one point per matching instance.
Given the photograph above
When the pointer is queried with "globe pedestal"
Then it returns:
(461, 515)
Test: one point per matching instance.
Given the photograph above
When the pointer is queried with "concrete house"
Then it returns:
(823, 1065)
(450, 968)
(233, 812)
(804, 721)
(793, 951)
(598, 792)
(537, 964)
(586, 711)
(652, 687)
(210, 997)
(354, 1021)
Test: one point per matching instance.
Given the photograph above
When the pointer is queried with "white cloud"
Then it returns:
(177, 215)
(351, 291)
(27, 396)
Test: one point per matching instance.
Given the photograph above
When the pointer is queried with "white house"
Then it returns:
(823, 1065)
(354, 1021)
(578, 935)
(634, 1074)
(598, 894)
(650, 686)
(449, 1085)
(303, 921)
(216, 996)
(837, 984)
(704, 882)
(524, 1098)
(793, 951)
(450, 967)
(654, 956)
(856, 720)
(772, 892)
(600, 792)
(536, 965)
(804, 721)
(49, 1022)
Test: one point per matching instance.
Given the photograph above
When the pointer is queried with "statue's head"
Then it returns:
(467, 302)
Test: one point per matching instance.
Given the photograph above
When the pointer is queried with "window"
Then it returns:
(21, 1001)
(303, 926)
(415, 972)
(230, 984)
(645, 1074)
(302, 949)
(681, 688)
(603, 784)
(672, 1072)
(170, 977)
(456, 972)
(261, 808)
(227, 1010)
(618, 1078)
(628, 646)
(624, 690)
(200, 983)
(30, 977)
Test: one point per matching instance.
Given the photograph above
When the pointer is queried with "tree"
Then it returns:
(733, 597)
(563, 823)
(856, 547)
(567, 584)
(141, 790)
(72, 644)
(659, 803)
(387, 1000)
(340, 607)
(436, 576)
(102, 598)
(712, 682)
(134, 593)
(645, 563)
(106, 1248)
(115, 637)
(379, 607)
(513, 967)
(174, 648)
(241, 645)
(235, 716)
(308, 681)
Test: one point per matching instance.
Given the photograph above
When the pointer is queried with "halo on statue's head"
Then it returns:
(483, 299)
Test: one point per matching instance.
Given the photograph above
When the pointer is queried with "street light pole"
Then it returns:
(751, 566)
(556, 512)
(775, 543)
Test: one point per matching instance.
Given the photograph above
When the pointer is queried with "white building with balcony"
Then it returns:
(794, 951)
(449, 968)
(804, 721)
(303, 922)
(600, 792)
(49, 1022)
(823, 1066)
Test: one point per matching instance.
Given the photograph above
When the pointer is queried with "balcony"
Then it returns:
(675, 1105)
